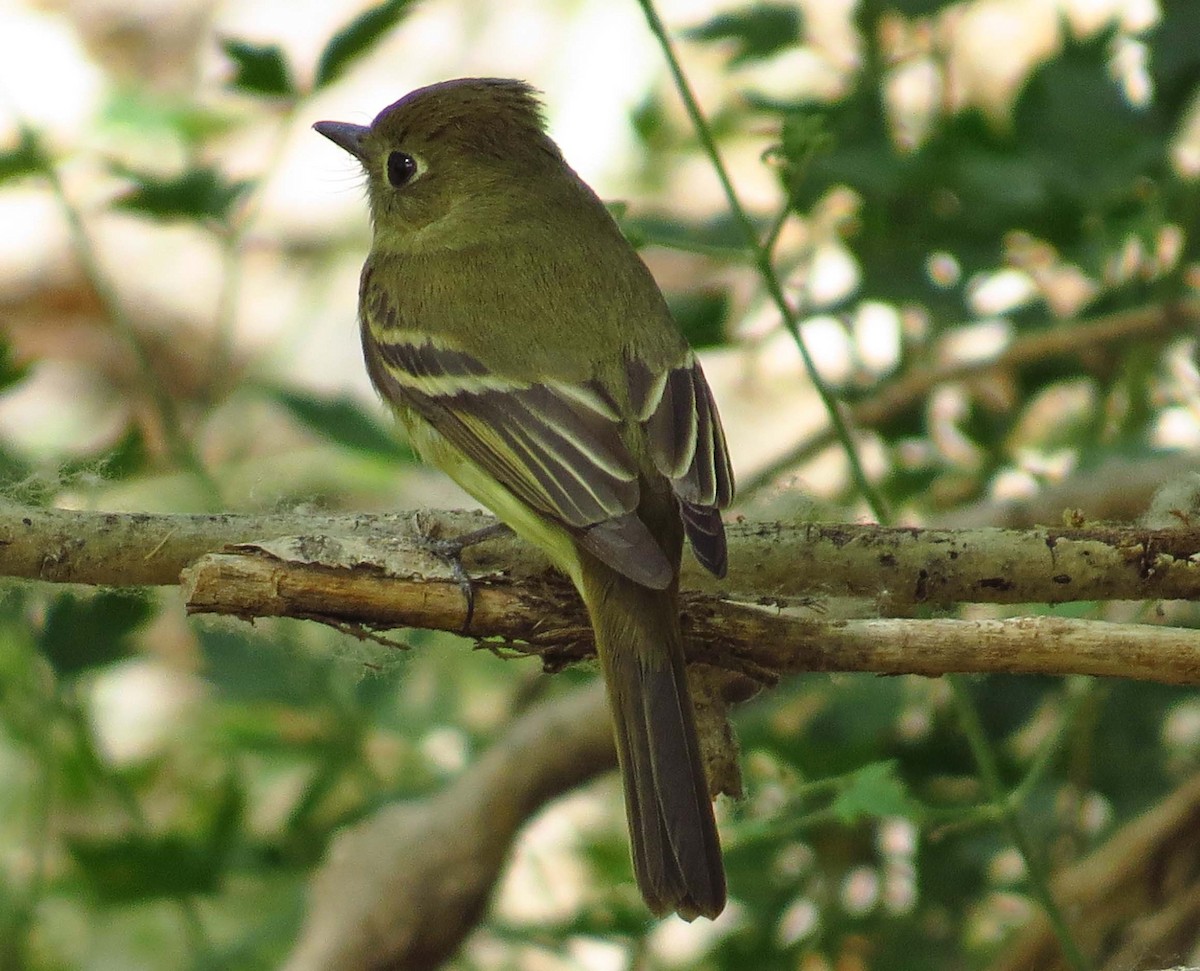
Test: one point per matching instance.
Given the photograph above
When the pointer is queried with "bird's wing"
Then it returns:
(687, 445)
(556, 446)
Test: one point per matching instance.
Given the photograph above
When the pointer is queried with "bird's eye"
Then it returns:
(401, 167)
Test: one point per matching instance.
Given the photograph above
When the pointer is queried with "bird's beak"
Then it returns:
(344, 135)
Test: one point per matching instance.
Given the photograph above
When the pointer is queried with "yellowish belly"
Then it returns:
(435, 449)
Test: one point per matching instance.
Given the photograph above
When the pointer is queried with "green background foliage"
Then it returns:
(866, 835)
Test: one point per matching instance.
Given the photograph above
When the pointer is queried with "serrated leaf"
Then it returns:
(873, 791)
(357, 37)
(26, 158)
(198, 194)
(344, 421)
(757, 32)
(261, 68)
(82, 632)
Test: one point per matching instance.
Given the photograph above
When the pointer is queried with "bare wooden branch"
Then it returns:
(905, 390)
(900, 567)
(374, 571)
(1137, 896)
(546, 618)
(403, 887)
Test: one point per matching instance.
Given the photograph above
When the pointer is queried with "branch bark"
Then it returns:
(374, 572)
(404, 887)
(902, 567)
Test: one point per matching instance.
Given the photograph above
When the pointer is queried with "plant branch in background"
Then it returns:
(906, 390)
(179, 445)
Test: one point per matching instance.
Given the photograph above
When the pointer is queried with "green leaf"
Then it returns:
(701, 315)
(136, 114)
(757, 31)
(1088, 144)
(11, 372)
(1175, 57)
(344, 421)
(873, 791)
(89, 631)
(261, 68)
(268, 672)
(197, 194)
(802, 136)
(26, 158)
(912, 9)
(138, 868)
(357, 37)
(144, 866)
(127, 457)
(720, 237)
(120, 460)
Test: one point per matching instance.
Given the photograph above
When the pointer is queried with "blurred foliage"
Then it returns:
(261, 68)
(197, 194)
(866, 839)
(358, 37)
(755, 32)
(342, 420)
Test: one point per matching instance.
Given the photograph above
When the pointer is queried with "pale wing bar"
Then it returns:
(687, 444)
(558, 450)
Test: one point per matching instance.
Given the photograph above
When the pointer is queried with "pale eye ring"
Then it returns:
(401, 168)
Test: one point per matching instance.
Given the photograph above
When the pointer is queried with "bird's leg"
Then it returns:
(451, 549)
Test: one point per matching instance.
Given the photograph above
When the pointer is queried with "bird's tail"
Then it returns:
(672, 833)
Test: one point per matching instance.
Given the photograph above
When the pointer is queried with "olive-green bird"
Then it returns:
(529, 354)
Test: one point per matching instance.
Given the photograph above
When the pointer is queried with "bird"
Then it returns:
(527, 351)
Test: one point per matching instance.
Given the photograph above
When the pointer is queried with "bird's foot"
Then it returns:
(451, 549)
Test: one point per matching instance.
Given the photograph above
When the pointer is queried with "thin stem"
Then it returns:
(178, 445)
(1078, 690)
(762, 260)
(68, 706)
(233, 242)
(776, 227)
(989, 771)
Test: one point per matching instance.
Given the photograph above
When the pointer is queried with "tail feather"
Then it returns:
(673, 835)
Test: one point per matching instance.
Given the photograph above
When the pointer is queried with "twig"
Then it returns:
(902, 392)
(178, 445)
(1035, 868)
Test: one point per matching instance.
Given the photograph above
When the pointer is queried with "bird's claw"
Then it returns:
(451, 551)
